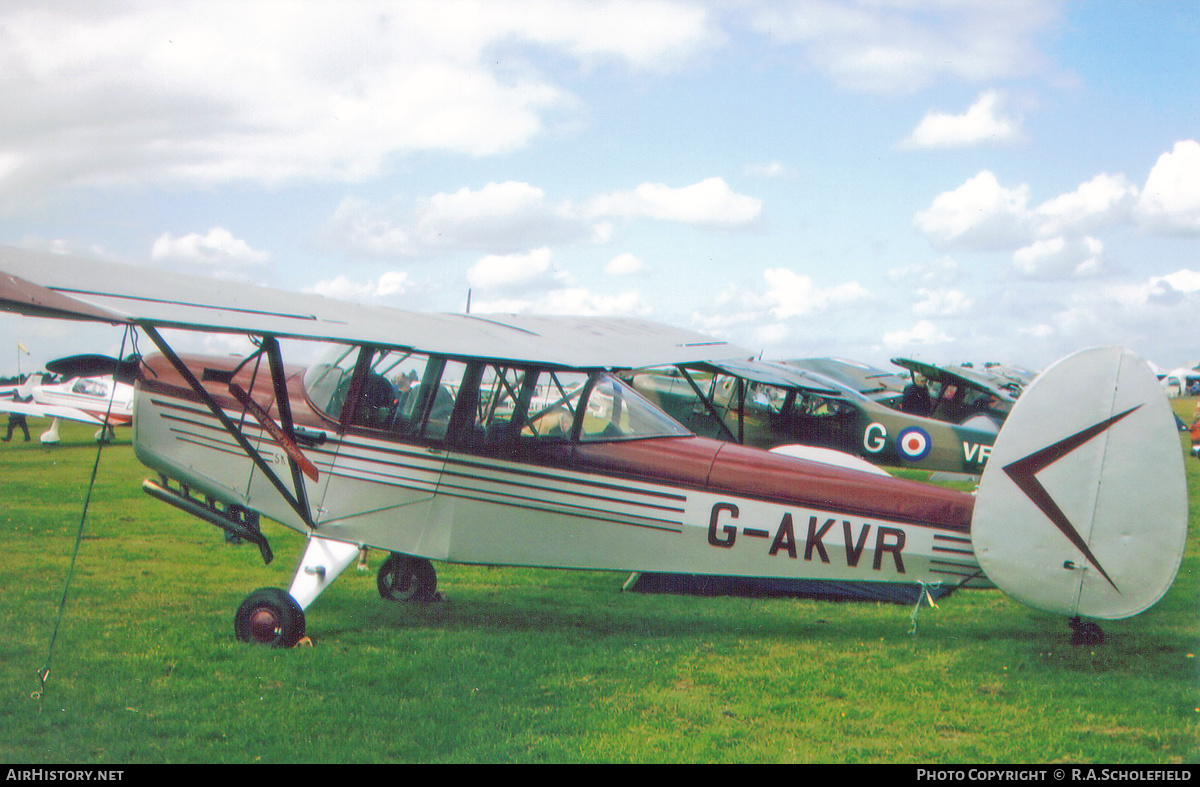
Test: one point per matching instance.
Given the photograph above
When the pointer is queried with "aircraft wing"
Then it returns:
(779, 375)
(867, 380)
(94, 366)
(52, 285)
(36, 410)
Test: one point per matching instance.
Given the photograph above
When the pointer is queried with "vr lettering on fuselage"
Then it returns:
(723, 533)
(974, 452)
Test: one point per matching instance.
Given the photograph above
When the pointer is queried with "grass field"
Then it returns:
(524, 666)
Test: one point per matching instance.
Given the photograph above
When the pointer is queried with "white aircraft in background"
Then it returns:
(505, 440)
(92, 389)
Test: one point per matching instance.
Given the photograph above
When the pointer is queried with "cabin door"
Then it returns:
(388, 459)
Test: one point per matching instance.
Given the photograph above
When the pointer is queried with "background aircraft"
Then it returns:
(93, 389)
(513, 445)
(961, 394)
(781, 406)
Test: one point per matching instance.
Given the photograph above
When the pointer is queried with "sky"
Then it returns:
(1003, 180)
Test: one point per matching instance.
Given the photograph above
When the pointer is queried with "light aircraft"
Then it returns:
(505, 440)
(960, 394)
(93, 389)
(787, 408)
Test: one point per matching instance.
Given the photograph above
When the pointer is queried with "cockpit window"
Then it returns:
(615, 411)
(328, 380)
(411, 395)
(90, 387)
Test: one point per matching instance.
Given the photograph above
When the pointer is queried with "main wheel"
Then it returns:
(406, 578)
(269, 616)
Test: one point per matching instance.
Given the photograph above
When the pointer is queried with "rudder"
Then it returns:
(1083, 507)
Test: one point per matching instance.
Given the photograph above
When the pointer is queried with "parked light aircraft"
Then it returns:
(93, 389)
(504, 440)
(959, 394)
(784, 407)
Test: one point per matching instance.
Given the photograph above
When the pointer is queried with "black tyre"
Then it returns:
(406, 578)
(1085, 632)
(269, 616)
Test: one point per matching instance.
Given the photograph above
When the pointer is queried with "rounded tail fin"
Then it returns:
(1082, 509)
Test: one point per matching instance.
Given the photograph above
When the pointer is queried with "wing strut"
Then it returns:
(299, 500)
(712, 409)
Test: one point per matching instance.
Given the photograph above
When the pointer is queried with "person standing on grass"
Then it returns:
(16, 421)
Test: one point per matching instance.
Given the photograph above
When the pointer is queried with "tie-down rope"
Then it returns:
(43, 674)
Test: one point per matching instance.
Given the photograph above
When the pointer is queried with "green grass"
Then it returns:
(524, 665)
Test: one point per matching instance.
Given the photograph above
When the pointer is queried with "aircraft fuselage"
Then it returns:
(658, 503)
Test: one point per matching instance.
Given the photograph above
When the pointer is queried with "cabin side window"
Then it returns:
(392, 395)
(403, 393)
(500, 405)
(554, 404)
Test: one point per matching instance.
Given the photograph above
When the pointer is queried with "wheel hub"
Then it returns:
(264, 625)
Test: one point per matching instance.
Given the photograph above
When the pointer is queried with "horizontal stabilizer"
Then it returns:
(1083, 507)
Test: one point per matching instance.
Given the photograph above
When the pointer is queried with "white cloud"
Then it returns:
(875, 46)
(923, 333)
(770, 169)
(786, 296)
(217, 248)
(341, 287)
(942, 303)
(1102, 201)
(218, 92)
(367, 228)
(791, 294)
(514, 272)
(512, 216)
(1185, 280)
(981, 124)
(1060, 257)
(1174, 287)
(499, 217)
(624, 265)
(709, 203)
(943, 270)
(980, 214)
(1170, 200)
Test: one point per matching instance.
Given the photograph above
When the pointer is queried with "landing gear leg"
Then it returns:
(407, 578)
(271, 616)
(1085, 632)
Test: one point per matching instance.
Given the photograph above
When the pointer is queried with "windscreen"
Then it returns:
(616, 412)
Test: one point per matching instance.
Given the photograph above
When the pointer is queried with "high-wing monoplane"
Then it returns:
(960, 394)
(787, 408)
(92, 389)
(505, 440)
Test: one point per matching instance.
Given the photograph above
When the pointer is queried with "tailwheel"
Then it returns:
(407, 578)
(1085, 632)
(269, 616)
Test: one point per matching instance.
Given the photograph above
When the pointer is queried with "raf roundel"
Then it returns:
(914, 443)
